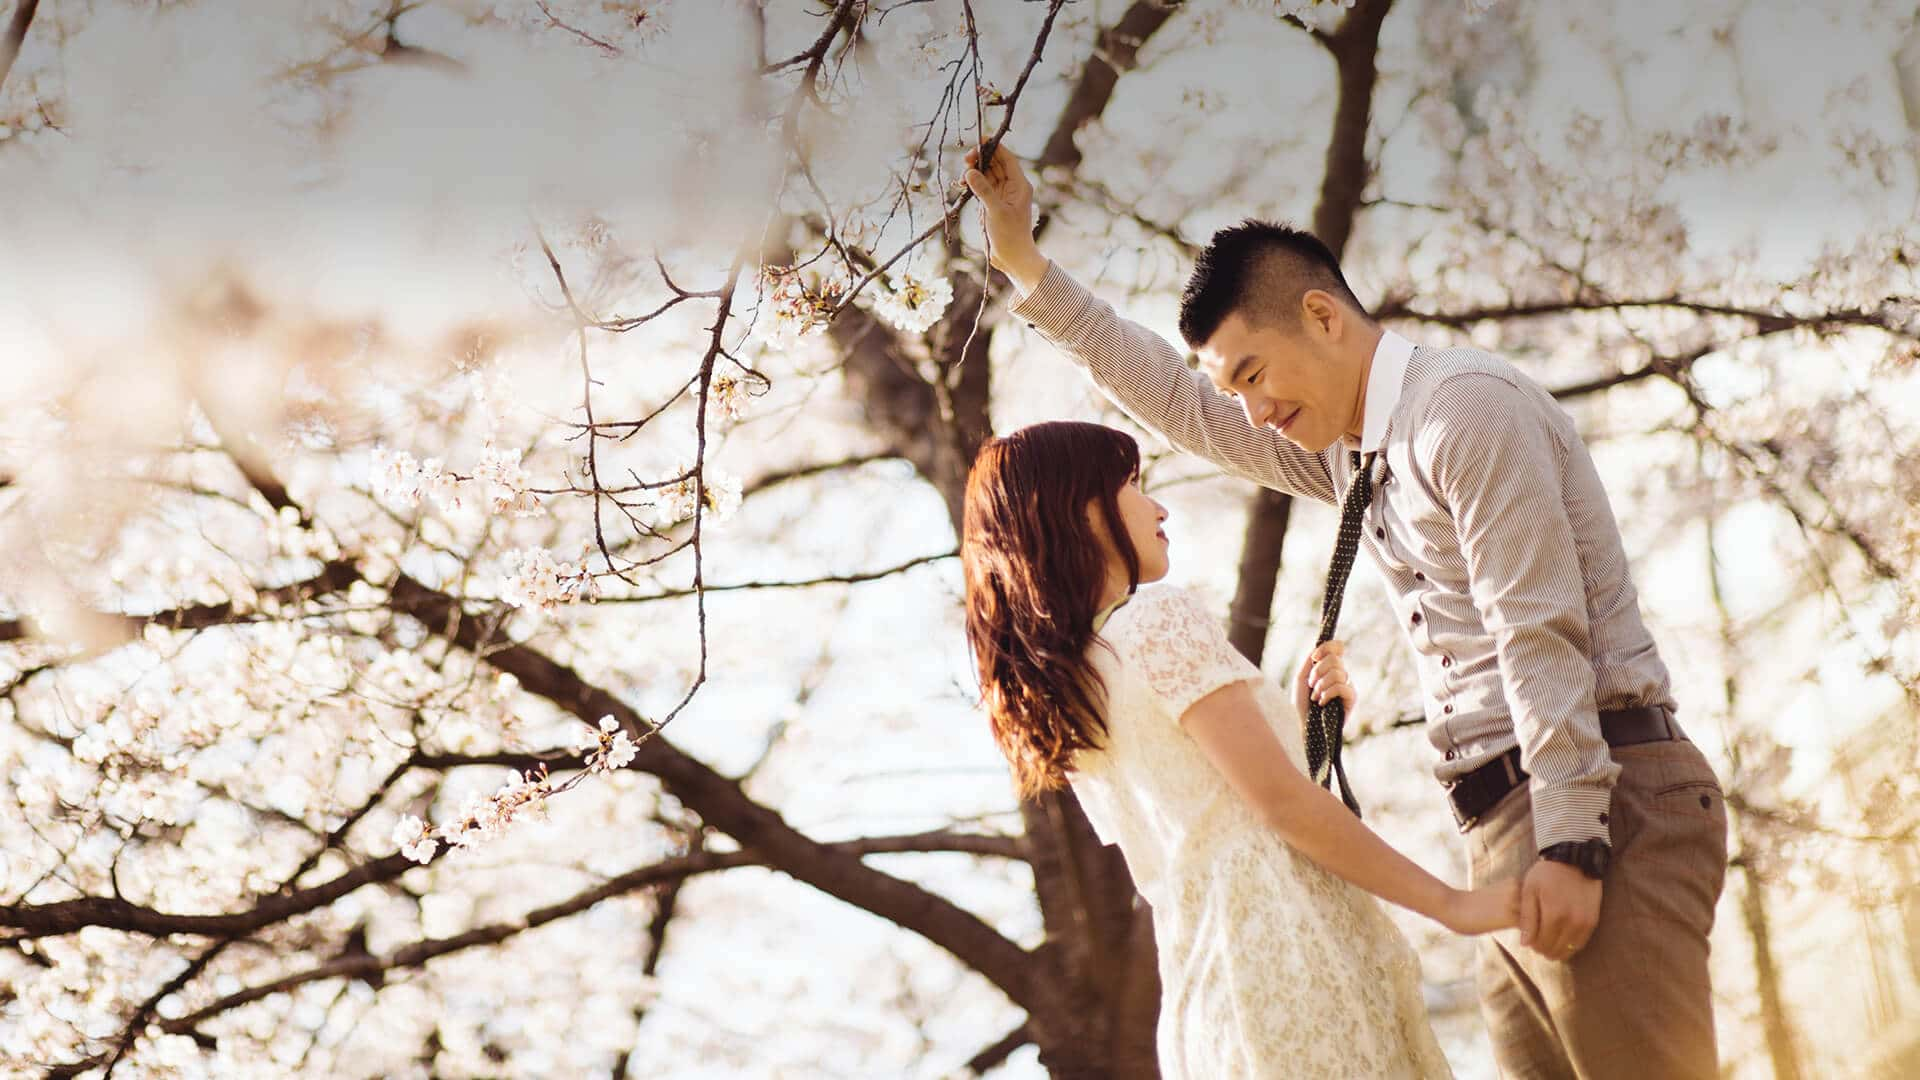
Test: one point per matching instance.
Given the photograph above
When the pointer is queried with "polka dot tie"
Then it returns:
(1326, 723)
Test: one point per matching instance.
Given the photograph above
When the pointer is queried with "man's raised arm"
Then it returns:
(1136, 367)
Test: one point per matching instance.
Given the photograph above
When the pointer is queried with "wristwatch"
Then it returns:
(1590, 857)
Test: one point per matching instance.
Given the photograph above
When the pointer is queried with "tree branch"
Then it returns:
(16, 36)
(832, 579)
(1115, 51)
(334, 577)
(721, 803)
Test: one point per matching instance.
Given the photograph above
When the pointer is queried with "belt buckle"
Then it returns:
(1466, 823)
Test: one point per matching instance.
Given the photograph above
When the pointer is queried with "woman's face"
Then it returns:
(1142, 516)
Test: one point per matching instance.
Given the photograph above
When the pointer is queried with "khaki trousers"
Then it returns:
(1636, 1002)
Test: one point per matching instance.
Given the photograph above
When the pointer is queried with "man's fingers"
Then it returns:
(977, 183)
(1579, 935)
(1553, 933)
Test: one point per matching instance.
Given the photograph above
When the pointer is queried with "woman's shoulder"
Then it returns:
(1155, 609)
(1175, 641)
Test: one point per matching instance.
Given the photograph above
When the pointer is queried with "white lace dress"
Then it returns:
(1269, 965)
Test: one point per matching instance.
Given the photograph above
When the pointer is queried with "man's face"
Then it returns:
(1287, 381)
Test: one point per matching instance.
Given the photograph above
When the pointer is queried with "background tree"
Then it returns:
(476, 472)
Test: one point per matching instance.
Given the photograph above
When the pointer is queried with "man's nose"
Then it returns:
(1259, 410)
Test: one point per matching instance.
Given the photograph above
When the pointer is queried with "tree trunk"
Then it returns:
(1354, 47)
(1251, 615)
(1766, 976)
(1753, 902)
(1098, 939)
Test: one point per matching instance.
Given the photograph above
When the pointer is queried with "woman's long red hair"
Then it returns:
(1035, 571)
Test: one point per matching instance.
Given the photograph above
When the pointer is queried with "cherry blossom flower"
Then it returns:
(721, 495)
(912, 305)
(415, 839)
(793, 308)
(608, 748)
(535, 579)
(397, 477)
(621, 751)
(727, 400)
(506, 481)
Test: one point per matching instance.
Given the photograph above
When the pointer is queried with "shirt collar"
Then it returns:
(1389, 370)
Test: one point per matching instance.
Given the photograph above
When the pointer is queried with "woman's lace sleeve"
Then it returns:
(1178, 647)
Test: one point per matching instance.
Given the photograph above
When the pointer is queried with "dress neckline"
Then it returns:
(1100, 617)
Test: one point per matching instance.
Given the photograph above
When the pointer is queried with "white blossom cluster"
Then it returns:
(911, 305)
(792, 309)
(607, 746)
(482, 819)
(727, 400)
(719, 493)
(499, 479)
(535, 579)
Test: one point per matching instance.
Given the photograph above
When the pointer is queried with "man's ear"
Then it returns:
(1323, 313)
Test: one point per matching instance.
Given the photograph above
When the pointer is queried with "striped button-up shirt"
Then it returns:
(1499, 549)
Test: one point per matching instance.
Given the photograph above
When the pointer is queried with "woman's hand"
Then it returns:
(1323, 677)
(1483, 910)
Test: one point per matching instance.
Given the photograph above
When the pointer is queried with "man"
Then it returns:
(1480, 505)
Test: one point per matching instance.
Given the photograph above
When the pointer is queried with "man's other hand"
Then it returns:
(1559, 907)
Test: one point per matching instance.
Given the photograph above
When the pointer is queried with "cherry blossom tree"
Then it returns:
(481, 483)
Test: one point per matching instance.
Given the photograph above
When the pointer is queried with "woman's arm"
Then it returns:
(1234, 734)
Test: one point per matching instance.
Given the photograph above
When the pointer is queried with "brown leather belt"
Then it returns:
(1482, 789)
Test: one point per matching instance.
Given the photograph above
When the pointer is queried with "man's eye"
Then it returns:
(1254, 376)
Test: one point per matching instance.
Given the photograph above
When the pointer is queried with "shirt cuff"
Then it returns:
(1055, 305)
(1571, 812)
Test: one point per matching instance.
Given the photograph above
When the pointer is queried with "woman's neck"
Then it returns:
(1119, 586)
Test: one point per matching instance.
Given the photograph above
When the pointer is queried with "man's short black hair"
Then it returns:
(1261, 270)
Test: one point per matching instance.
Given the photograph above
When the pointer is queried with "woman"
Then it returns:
(1272, 962)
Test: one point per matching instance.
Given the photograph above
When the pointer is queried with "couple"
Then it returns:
(1595, 830)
